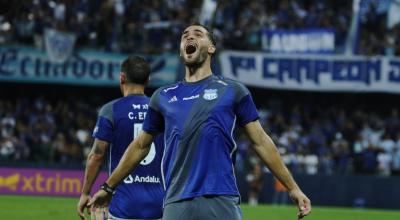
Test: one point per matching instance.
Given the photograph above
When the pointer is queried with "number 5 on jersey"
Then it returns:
(137, 128)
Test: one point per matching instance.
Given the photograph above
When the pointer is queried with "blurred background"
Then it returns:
(324, 74)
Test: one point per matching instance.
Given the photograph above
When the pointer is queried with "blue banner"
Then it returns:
(25, 64)
(306, 41)
(311, 72)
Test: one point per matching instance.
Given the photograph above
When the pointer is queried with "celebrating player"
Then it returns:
(197, 116)
(140, 194)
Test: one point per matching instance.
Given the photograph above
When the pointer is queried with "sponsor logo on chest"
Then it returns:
(191, 97)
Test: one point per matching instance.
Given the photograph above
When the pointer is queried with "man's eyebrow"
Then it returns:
(196, 30)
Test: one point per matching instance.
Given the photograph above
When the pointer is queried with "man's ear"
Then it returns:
(211, 49)
(122, 78)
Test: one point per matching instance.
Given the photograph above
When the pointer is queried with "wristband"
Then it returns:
(108, 189)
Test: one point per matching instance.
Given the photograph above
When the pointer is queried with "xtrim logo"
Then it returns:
(10, 182)
(43, 181)
(40, 183)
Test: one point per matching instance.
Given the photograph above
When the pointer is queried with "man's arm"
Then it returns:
(267, 151)
(136, 152)
(93, 166)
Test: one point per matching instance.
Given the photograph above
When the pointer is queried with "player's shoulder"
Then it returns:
(108, 107)
(236, 85)
(162, 94)
(112, 102)
(168, 88)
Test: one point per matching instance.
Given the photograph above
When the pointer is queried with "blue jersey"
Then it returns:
(141, 194)
(198, 121)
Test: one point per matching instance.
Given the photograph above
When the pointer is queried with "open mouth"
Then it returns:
(190, 48)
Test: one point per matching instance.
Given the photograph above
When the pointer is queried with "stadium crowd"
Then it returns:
(311, 138)
(332, 140)
(40, 131)
(155, 26)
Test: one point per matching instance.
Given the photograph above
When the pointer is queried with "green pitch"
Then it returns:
(46, 208)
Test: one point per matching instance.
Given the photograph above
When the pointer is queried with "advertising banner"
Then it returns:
(44, 182)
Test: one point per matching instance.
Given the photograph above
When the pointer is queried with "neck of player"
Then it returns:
(197, 73)
(133, 89)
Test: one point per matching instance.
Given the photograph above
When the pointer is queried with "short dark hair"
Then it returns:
(210, 34)
(136, 69)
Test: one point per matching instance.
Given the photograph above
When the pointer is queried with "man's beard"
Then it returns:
(198, 62)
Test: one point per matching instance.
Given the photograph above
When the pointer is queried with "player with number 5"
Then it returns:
(140, 194)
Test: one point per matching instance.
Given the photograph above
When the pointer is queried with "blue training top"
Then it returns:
(198, 120)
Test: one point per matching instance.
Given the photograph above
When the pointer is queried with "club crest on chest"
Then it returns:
(210, 94)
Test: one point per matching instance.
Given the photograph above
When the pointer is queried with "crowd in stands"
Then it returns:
(240, 23)
(154, 26)
(311, 138)
(328, 139)
(38, 130)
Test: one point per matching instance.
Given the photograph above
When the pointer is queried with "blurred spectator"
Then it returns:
(255, 179)
(384, 163)
(281, 193)
(396, 158)
(369, 158)
(341, 153)
(311, 164)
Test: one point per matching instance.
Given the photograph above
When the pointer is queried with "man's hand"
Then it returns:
(82, 204)
(303, 203)
(100, 200)
(99, 213)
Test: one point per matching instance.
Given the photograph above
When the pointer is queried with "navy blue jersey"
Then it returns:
(198, 120)
(141, 194)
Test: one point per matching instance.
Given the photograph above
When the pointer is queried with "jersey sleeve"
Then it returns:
(244, 108)
(154, 121)
(105, 124)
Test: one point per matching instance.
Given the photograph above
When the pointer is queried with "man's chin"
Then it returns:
(194, 60)
(191, 62)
